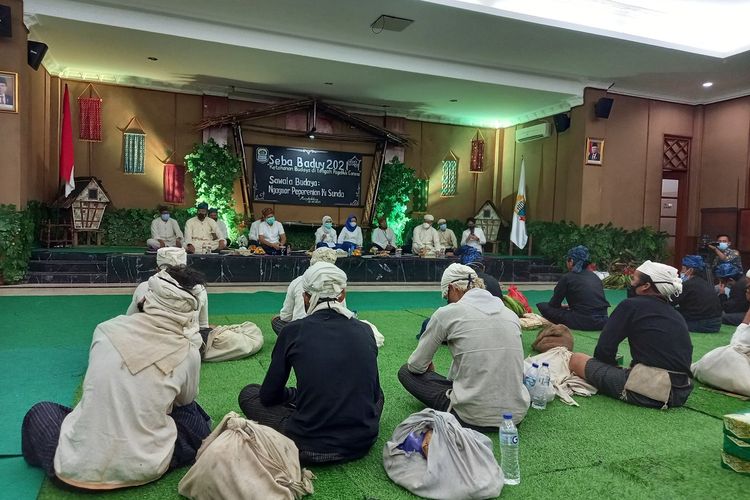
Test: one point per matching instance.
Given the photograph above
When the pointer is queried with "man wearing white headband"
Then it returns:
(485, 379)
(294, 303)
(137, 417)
(425, 238)
(174, 257)
(334, 412)
(660, 346)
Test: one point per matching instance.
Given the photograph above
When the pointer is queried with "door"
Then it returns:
(673, 214)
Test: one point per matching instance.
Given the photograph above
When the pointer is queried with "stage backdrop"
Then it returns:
(298, 176)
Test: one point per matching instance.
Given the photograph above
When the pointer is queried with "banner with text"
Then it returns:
(298, 176)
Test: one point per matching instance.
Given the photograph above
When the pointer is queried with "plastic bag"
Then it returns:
(518, 296)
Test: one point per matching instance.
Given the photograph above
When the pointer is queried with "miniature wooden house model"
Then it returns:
(87, 203)
(489, 220)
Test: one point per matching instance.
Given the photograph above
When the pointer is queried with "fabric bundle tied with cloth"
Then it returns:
(727, 367)
(565, 382)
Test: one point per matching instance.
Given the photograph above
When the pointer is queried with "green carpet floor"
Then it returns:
(602, 448)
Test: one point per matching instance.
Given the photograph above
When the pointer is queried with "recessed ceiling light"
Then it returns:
(152, 58)
(708, 84)
(328, 83)
(454, 100)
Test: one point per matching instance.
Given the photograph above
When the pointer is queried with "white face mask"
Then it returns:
(426, 225)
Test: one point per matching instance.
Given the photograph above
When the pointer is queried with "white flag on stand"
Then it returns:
(518, 228)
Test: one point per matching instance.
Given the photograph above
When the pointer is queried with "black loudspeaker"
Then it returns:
(37, 50)
(562, 122)
(6, 28)
(603, 107)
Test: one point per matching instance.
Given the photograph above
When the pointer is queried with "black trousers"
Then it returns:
(430, 389)
(40, 433)
(277, 324)
(733, 319)
(277, 417)
(572, 319)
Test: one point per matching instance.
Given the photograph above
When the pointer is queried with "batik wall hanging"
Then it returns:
(450, 175)
(477, 154)
(134, 147)
(90, 115)
(174, 183)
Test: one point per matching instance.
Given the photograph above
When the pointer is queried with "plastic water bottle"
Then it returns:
(529, 378)
(541, 389)
(509, 450)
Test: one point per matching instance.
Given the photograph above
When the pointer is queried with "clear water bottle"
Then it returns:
(541, 389)
(529, 378)
(509, 450)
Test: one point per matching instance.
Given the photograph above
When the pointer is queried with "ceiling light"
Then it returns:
(152, 58)
(390, 23)
(328, 83)
(708, 84)
(454, 100)
(311, 133)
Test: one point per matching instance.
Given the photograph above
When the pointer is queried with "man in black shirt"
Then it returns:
(658, 338)
(732, 285)
(334, 412)
(698, 302)
(587, 307)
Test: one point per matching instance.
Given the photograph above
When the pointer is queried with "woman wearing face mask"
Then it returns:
(271, 234)
(473, 236)
(325, 235)
(350, 237)
(698, 302)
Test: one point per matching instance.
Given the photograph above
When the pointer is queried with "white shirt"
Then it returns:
(351, 236)
(448, 239)
(253, 232)
(327, 236)
(484, 338)
(272, 234)
(201, 230)
(474, 243)
(223, 231)
(384, 237)
(120, 433)
(166, 231)
(425, 238)
(201, 315)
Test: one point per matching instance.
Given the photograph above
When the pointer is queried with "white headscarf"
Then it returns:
(323, 281)
(457, 274)
(323, 254)
(666, 278)
(171, 256)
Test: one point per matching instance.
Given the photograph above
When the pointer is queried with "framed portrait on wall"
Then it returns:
(8, 92)
(594, 151)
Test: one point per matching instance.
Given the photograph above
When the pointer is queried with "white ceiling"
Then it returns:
(502, 70)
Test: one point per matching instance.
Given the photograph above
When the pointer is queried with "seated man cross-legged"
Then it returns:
(485, 379)
(698, 302)
(583, 291)
(137, 417)
(660, 346)
(333, 414)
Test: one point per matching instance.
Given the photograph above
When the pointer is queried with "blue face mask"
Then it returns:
(328, 225)
(165, 217)
(723, 245)
(684, 277)
(270, 220)
(443, 227)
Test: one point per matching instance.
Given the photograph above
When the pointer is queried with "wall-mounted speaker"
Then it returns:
(6, 28)
(37, 50)
(603, 107)
(562, 122)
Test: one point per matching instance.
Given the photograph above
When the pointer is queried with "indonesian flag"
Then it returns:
(67, 157)
(518, 229)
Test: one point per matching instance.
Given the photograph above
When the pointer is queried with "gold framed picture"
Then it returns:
(8, 92)
(594, 151)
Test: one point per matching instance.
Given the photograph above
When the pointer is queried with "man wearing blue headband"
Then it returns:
(698, 302)
(732, 285)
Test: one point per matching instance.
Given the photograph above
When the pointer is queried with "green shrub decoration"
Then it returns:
(607, 244)
(397, 184)
(214, 168)
(16, 241)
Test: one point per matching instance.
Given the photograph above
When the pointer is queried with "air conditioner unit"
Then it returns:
(533, 133)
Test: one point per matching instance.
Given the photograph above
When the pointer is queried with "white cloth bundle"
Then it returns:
(565, 382)
(171, 256)
(727, 367)
(229, 342)
(242, 459)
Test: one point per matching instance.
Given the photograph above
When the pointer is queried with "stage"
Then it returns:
(97, 267)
